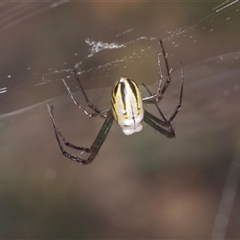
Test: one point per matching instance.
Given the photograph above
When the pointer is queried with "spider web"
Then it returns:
(36, 76)
(42, 41)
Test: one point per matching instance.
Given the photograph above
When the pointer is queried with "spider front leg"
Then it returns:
(85, 95)
(79, 106)
(93, 150)
(96, 112)
(157, 123)
(161, 88)
(178, 106)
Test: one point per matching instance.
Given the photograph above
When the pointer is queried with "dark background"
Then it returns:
(139, 186)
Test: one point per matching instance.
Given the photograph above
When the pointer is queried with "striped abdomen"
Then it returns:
(127, 105)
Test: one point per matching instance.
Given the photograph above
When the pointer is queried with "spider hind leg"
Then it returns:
(93, 150)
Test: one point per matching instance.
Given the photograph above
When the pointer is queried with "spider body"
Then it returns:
(127, 105)
(127, 110)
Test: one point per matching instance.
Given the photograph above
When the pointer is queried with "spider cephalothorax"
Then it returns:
(127, 110)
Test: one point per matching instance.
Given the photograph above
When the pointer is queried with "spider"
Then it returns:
(127, 110)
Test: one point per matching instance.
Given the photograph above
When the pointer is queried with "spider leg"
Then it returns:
(101, 136)
(85, 95)
(179, 105)
(161, 91)
(79, 106)
(160, 88)
(159, 110)
(159, 94)
(154, 98)
(157, 124)
(93, 150)
(59, 134)
(102, 113)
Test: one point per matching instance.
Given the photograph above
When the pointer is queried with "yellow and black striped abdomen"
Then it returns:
(127, 105)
